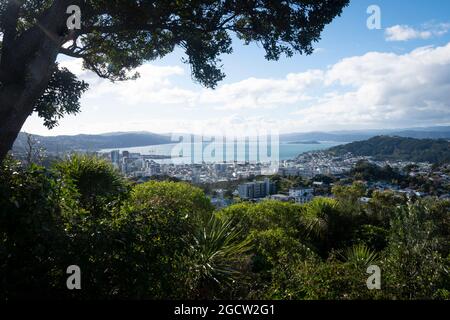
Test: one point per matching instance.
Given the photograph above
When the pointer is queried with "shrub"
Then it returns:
(97, 183)
(33, 251)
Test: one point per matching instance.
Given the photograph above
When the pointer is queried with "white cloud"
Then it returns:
(155, 86)
(405, 32)
(375, 90)
(256, 93)
(380, 89)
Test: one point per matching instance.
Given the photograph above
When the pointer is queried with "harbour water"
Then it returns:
(287, 151)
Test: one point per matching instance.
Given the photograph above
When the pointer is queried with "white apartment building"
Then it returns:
(302, 195)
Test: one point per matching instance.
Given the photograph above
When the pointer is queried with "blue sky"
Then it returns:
(398, 76)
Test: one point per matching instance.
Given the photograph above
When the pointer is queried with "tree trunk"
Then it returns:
(15, 107)
(17, 99)
(26, 63)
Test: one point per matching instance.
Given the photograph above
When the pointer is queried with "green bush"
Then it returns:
(414, 267)
(97, 183)
(33, 250)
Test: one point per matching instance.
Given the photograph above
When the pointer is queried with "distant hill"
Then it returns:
(438, 132)
(93, 142)
(305, 142)
(324, 136)
(399, 148)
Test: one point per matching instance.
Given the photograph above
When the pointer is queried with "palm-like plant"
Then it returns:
(360, 254)
(219, 250)
(318, 214)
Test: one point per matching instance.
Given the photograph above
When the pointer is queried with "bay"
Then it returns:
(287, 150)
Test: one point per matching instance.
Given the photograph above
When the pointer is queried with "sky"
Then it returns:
(357, 78)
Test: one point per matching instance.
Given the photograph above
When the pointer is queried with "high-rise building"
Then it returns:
(246, 190)
(256, 189)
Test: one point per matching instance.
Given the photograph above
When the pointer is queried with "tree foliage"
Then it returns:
(61, 97)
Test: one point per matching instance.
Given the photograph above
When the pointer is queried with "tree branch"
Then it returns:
(71, 53)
